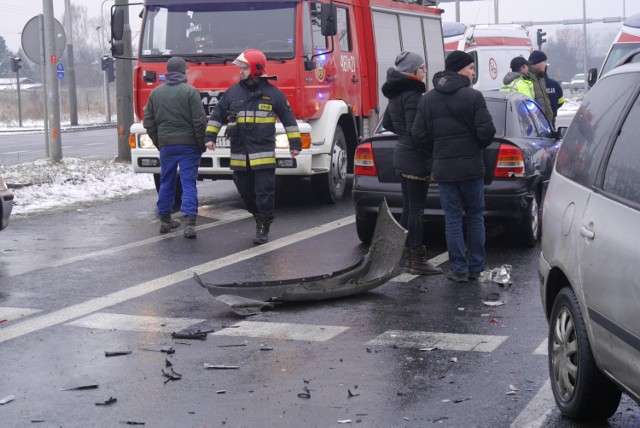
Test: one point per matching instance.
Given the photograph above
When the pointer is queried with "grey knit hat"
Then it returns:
(176, 65)
(408, 62)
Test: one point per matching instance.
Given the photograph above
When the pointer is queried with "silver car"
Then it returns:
(590, 261)
(6, 204)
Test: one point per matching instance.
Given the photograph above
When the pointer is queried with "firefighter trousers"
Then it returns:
(258, 190)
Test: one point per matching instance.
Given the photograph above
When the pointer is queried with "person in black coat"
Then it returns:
(455, 124)
(404, 87)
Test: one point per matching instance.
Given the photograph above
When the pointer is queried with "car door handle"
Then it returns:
(586, 232)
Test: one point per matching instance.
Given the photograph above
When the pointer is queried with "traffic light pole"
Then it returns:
(107, 98)
(19, 98)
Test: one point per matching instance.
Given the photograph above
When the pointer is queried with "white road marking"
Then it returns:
(283, 331)
(224, 218)
(538, 410)
(105, 321)
(543, 348)
(447, 341)
(404, 277)
(99, 303)
(11, 314)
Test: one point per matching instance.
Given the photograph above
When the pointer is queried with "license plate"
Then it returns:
(223, 142)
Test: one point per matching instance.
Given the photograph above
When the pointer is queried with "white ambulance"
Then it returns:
(627, 40)
(492, 47)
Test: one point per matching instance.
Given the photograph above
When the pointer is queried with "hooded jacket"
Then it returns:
(516, 82)
(455, 124)
(174, 114)
(403, 91)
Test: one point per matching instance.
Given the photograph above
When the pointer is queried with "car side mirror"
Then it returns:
(560, 132)
(592, 76)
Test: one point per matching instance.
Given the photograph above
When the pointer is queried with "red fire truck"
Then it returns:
(330, 59)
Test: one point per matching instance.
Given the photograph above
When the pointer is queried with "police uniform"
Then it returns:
(250, 112)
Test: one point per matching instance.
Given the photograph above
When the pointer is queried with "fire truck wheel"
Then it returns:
(329, 188)
(178, 200)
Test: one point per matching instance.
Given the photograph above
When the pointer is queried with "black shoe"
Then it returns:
(167, 224)
(262, 230)
(458, 277)
(474, 275)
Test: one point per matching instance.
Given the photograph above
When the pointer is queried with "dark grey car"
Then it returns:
(518, 164)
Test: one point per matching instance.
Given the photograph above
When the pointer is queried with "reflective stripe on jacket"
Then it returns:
(250, 112)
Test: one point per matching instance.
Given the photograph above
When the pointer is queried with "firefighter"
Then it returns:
(249, 109)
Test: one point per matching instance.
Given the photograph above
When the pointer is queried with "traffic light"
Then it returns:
(541, 38)
(107, 65)
(16, 64)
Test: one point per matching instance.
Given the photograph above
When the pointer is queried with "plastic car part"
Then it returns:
(373, 270)
(581, 390)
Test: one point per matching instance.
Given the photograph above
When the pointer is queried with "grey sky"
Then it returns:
(14, 14)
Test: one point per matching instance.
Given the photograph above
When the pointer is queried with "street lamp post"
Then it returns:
(584, 31)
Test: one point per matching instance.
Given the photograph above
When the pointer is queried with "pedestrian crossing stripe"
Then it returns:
(543, 348)
(107, 321)
(283, 331)
(8, 313)
(445, 341)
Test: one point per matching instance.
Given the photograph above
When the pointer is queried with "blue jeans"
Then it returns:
(458, 199)
(188, 159)
(414, 199)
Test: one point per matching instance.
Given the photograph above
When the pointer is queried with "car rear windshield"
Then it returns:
(499, 114)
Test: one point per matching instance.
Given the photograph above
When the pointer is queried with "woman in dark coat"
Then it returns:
(404, 87)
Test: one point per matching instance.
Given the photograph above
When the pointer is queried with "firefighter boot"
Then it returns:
(418, 263)
(190, 228)
(262, 230)
(167, 224)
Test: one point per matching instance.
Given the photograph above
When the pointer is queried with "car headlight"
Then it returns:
(144, 141)
(282, 142)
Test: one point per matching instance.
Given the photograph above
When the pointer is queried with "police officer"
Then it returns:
(249, 109)
(517, 80)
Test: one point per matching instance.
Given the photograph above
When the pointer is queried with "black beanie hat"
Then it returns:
(457, 60)
(537, 57)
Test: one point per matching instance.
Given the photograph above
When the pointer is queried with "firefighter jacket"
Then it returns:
(516, 82)
(250, 111)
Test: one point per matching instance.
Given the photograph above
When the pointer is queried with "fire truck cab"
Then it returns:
(330, 59)
(492, 47)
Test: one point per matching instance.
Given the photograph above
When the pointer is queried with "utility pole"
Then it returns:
(584, 30)
(53, 94)
(43, 76)
(124, 89)
(16, 65)
(71, 69)
(496, 8)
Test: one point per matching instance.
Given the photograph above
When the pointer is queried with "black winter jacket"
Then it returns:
(409, 155)
(455, 125)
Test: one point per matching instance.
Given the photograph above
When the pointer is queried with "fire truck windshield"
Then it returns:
(219, 29)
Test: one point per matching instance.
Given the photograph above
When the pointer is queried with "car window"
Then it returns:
(498, 114)
(622, 174)
(592, 127)
(527, 127)
(543, 127)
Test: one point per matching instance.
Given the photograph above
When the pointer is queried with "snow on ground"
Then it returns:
(42, 185)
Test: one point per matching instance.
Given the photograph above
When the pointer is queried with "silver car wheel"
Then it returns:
(564, 354)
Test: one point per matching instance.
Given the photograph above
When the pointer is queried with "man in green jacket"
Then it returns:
(517, 80)
(537, 66)
(175, 120)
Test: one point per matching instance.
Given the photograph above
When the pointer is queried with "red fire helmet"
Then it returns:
(255, 60)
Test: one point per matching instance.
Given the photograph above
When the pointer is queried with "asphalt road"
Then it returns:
(413, 352)
(23, 146)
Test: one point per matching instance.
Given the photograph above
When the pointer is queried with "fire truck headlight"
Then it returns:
(145, 142)
(282, 142)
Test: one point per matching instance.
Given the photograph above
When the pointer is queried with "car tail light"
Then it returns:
(510, 162)
(363, 163)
